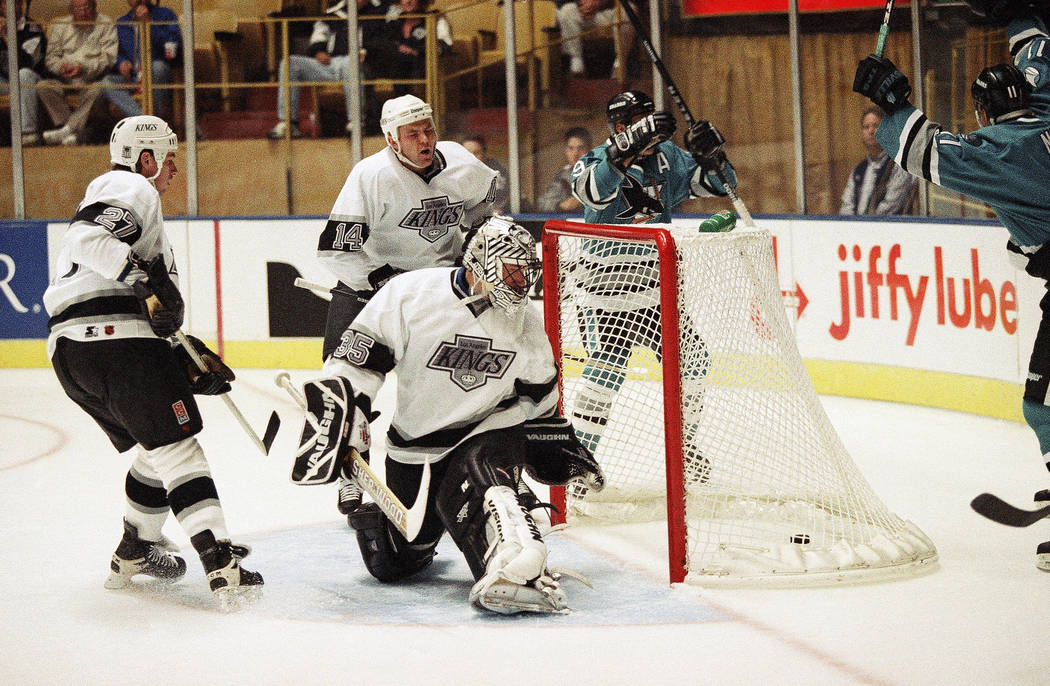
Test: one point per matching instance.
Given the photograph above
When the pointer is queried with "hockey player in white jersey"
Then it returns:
(113, 303)
(403, 208)
(477, 396)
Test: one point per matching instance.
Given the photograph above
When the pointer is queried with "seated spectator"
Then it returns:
(400, 48)
(32, 44)
(877, 185)
(328, 61)
(558, 196)
(476, 146)
(577, 16)
(81, 49)
(165, 47)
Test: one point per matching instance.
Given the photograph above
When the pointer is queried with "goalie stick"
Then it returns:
(998, 510)
(643, 36)
(407, 520)
(272, 425)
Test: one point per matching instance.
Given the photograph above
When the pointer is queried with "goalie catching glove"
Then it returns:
(158, 296)
(216, 380)
(555, 456)
(335, 423)
(647, 132)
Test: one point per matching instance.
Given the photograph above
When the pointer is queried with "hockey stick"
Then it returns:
(272, 425)
(322, 291)
(407, 520)
(643, 36)
(884, 30)
(998, 510)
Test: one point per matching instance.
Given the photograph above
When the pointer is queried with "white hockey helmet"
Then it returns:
(501, 256)
(402, 110)
(132, 135)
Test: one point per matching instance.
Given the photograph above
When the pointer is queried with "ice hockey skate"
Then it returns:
(497, 593)
(349, 495)
(234, 587)
(1042, 556)
(138, 556)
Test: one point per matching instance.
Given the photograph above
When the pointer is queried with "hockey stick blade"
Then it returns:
(998, 510)
(271, 431)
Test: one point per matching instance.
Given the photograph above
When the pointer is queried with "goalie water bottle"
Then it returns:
(717, 223)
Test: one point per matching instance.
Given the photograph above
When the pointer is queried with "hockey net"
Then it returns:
(680, 370)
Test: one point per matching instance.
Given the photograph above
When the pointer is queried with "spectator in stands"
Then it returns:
(400, 49)
(32, 45)
(328, 61)
(577, 16)
(165, 47)
(81, 49)
(877, 185)
(558, 196)
(476, 146)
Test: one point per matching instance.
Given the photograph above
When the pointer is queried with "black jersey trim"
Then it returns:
(436, 167)
(119, 221)
(445, 438)
(96, 307)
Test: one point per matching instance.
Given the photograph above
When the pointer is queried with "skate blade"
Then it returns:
(1042, 561)
(237, 598)
(116, 581)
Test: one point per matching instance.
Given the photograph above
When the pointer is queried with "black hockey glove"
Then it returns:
(879, 80)
(555, 456)
(216, 380)
(645, 133)
(703, 141)
(158, 296)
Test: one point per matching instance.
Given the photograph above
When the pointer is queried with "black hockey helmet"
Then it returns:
(1000, 89)
(624, 107)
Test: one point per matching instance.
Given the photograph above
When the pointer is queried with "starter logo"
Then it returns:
(433, 218)
(471, 361)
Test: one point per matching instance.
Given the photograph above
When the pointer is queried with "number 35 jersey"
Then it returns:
(90, 295)
(390, 219)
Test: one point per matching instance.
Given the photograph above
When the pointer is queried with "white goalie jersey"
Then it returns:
(462, 366)
(90, 296)
(389, 219)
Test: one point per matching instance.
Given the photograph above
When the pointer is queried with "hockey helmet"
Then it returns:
(623, 107)
(132, 135)
(1000, 90)
(404, 109)
(501, 256)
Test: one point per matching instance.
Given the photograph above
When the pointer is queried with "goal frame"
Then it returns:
(672, 391)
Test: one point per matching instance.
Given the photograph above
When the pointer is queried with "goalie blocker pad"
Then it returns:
(323, 447)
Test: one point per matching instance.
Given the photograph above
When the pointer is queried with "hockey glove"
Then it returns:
(879, 80)
(216, 380)
(645, 133)
(158, 296)
(555, 456)
(703, 140)
(335, 423)
(709, 170)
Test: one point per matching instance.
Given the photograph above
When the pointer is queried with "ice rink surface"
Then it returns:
(982, 616)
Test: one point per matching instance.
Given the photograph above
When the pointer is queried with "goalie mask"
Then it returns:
(624, 107)
(501, 257)
(1001, 90)
(133, 135)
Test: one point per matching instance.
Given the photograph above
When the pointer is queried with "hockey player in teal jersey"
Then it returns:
(638, 175)
(1005, 163)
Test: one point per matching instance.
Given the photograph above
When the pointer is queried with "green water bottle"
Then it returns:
(717, 223)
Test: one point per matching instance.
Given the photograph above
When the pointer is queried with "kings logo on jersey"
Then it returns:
(471, 361)
(433, 218)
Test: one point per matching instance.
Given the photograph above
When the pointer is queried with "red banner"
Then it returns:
(702, 8)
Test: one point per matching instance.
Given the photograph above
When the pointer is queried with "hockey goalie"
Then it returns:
(477, 398)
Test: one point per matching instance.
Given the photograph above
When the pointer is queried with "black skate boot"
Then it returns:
(349, 495)
(232, 585)
(137, 556)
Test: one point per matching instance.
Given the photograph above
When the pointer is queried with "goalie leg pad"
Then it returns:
(387, 555)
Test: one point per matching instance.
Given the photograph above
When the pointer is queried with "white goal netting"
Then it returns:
(766, 491)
